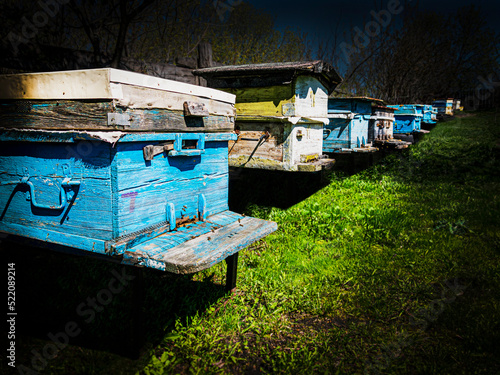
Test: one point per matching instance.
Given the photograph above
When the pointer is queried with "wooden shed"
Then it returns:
(121, 164)
(281, 109)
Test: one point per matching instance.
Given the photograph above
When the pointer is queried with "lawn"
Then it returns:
(395, 269)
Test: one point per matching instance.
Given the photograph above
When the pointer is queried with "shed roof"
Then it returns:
(268, 74)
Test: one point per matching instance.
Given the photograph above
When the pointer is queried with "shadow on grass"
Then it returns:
(271, 188)
(102, 316)
(285, 189)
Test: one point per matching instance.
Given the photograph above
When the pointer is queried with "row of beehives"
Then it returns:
(287, 120)
(446, 107)
(136, 167)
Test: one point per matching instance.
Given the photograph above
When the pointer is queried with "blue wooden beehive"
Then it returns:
(430, 114)
(348, 127)
(120, 164)
(408, 118)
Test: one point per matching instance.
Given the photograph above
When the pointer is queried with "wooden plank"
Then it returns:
(83, 115)
(145, 188)
(144, 98)
(76, 84)
(56, 114)
(202, 251)
(143, 80)
(311, 97)
(87, 212)
(303, 140)
(260, 75)
(93, 84)
(88, 244)
(248, 139)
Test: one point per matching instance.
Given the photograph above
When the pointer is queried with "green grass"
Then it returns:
(393, 270)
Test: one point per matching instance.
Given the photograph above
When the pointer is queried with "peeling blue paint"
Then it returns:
(106, 198)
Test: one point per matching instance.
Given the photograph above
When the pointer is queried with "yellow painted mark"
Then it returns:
(262, 101)
(313, 97)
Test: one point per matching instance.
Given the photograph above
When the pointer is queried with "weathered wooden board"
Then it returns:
(79, 115)
(311, 98)
(262, 101)
(145, 98)
(92, 84)
(46, 166)
(109, 99)
(269, 74)
(201, 245)
(258, 141)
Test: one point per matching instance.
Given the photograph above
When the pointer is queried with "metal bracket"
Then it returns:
(151, 151)
(171, 216)
(193, 109)
(202, 207)
(121, 119)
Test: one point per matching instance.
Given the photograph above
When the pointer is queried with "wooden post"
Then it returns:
(232, 271)
(204, 55)
(204, 60)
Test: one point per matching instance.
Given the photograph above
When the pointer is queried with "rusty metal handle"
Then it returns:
(62, 194)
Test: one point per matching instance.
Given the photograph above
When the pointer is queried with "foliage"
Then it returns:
(156, 31)
(249, 36)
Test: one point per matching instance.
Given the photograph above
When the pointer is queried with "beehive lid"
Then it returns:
(94, 84)
(359, 98)
(269, 74)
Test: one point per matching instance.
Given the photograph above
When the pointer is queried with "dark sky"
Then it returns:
(320, 16)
